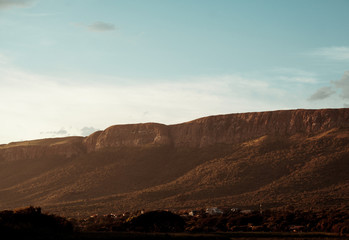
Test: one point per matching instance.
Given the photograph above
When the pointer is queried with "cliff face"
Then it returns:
(297, 157)
(203, 132)
(236, 128)
(223, 129)
(38, 149)
(132, 135)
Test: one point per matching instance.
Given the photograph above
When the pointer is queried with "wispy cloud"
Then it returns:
(97, 26)
(343, 85)
(325, 92)
(298, 79)
(61, 132)
(4, 4)
(40, 14)
(68, 105)
(333, 53)
(322, 93)
(52, 103)
(101, 27)
(85, 131)
(4, 59)
(294, 75)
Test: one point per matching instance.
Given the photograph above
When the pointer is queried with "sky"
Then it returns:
(71, 67)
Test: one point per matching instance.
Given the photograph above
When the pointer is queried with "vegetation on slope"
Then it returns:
(279, 158)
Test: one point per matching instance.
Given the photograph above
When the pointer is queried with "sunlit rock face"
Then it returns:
(203, 132)
(132, 135)
(279, 158)
(235, 128)
(226, 129)
(29, 150)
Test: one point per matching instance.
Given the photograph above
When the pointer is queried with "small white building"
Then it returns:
(214, 211)
(193, 213)
(235, 210)
(247, 211)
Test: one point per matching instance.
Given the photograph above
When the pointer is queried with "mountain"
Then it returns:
(278, 158)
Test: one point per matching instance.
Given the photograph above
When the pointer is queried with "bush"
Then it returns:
(31, 221)
(157, 221)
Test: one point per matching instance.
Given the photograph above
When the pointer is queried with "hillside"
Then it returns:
(278, 158)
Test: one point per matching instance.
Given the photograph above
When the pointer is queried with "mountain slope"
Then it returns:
(295, 157)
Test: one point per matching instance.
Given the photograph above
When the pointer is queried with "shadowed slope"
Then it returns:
(297, 157)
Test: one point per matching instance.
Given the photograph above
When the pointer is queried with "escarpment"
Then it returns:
(221, 129)
(289, 157)
(131, 135)
(37, 149)
(236, 128)
(203, 132)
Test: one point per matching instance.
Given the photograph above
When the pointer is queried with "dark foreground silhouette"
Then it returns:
(31, 223)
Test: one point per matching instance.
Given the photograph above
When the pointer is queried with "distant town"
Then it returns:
(214, 219)
(210, 223)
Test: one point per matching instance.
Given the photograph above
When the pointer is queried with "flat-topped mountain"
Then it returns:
(225, 129)
(277, 158)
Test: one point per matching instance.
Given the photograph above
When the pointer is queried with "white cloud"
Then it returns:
(15, 3)
(36, 106)
(333, 53)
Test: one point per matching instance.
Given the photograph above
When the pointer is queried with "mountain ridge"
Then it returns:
(285, 157)
(171, 133)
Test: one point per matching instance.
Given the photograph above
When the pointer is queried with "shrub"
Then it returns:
(157, 221)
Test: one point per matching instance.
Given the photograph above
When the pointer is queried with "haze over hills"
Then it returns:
(278, 158)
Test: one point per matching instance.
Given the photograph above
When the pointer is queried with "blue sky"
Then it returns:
(69, 67)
